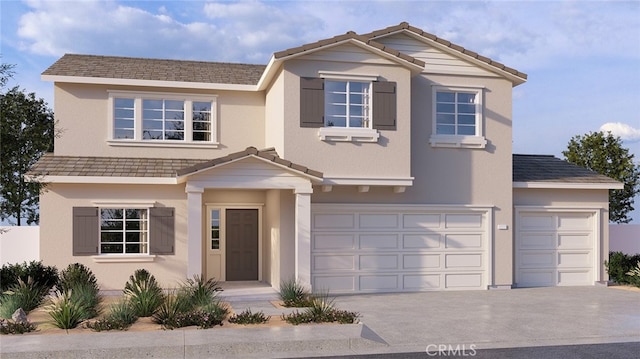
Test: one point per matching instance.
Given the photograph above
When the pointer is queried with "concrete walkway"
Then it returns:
(390, 323)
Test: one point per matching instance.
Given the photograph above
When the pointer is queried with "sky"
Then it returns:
(582, 57)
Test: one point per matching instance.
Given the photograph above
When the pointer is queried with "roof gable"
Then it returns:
(404, 27)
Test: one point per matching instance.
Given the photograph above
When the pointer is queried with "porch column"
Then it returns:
(194, 230)
(303, 238)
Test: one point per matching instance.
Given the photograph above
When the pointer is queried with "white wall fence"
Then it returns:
(19, 244)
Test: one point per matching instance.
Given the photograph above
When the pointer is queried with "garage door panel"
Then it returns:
(378, 241)
(463, 280)
(463, 261)
(333, 241)
(574, 259)
(575, 241)
(538, 277)
(389, 221)
(412, 241)
(332, 262)
(344, 283)
(333, 221)
(574, 221)
(574, 277)
(375, 262)
(537, 259)
(537, 221)
(379, 283)
(421, 281)
(538, 240)
(463, 241)
(421, 221)
(463, 221)
(421, 261)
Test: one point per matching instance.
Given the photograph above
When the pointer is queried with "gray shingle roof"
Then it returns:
(547, 168)
(51, 165)
(115, 67)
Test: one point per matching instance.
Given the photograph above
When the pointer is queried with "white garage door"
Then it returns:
(554, 248)
(392, 248)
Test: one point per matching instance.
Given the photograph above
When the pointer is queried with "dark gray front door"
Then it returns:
(242, 244)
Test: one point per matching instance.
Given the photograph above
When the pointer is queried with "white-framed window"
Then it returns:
(457, 117)
(124, 231)
(149, 118)
(347, 104)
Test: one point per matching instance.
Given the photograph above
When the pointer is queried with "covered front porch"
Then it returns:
(248, 219)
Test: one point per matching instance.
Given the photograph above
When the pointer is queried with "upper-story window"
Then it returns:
(348, 107)
(457, 117)
(148, 118)
(347, 104)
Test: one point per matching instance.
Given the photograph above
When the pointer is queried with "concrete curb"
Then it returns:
(190, 343)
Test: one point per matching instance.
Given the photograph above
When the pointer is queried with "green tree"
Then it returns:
(605, 154)
(26, 133)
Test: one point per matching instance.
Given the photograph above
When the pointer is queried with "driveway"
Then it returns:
(500, 318)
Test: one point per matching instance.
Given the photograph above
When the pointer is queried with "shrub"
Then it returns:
(44, 276)
(121, 316)
(321, 310)
(174, 306)
(619, 265)
(21, 295)
(64, 312)
(9, 327)
(293, 294)
(75, 274)
(634, 273)
(247, 317)
(200, 291)
(143, 292)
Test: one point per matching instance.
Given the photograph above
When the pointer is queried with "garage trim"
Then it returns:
(596, 228)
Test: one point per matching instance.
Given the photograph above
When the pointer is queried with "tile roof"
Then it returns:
(547, 168)
(406, 26)
(50, 165)
(348, 36)
(115, 67)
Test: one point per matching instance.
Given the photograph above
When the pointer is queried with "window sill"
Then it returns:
(452, 141)
(117, 258)
(339, 134)
(174, 144)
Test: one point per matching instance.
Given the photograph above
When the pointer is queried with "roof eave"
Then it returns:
(567, 185)
(100, 179)
(150, 83)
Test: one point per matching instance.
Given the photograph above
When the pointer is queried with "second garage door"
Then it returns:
(374, 248)
(555, 248)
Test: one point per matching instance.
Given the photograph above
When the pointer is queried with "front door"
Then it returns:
(241, 244)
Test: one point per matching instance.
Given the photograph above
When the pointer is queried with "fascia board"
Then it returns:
(567, 185)
(148, 83)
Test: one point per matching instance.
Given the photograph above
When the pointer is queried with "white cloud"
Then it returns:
(624, 131)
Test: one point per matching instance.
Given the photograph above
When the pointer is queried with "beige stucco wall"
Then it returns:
(56, 230)
(81, 111)
(597, 200)
(279, 237)
(389, 157)
(274, 124)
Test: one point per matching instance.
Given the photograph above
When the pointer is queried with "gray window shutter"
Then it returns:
(384, 105)
(311, 102)
(161, 227)
(86, 230)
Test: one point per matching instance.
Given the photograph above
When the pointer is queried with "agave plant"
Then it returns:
(294, 294)
(200, 291)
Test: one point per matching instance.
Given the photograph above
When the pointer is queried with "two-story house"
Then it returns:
(360, 163)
